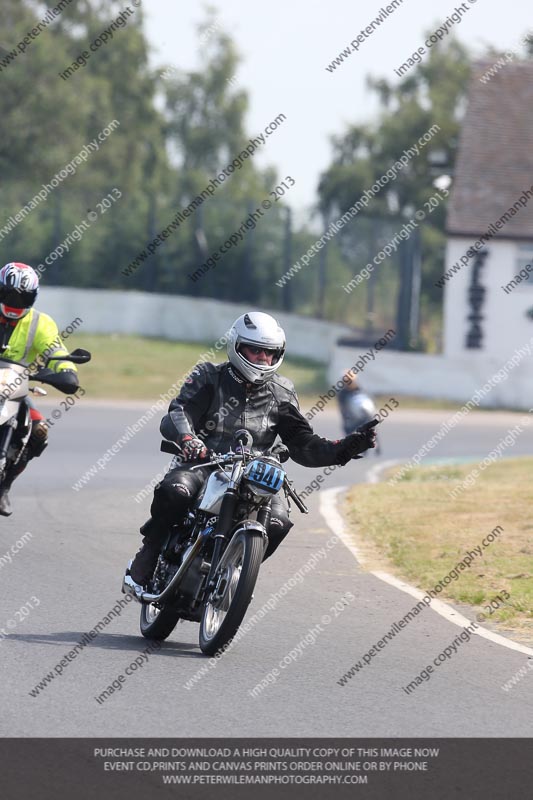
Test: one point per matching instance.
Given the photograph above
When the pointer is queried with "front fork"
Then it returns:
(263, 517)
(5, 441)
(225, 520)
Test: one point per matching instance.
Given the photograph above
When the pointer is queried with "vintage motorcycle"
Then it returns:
(14, 413)
(208, 566)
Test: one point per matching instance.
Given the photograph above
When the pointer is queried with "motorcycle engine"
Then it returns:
(194, 577)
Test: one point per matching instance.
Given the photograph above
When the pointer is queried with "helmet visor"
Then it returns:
(17, 298)
(275, 352)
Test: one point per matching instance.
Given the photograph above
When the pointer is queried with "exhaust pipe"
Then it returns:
(129, 586)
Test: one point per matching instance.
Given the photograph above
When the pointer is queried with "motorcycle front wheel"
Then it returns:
(235, 579)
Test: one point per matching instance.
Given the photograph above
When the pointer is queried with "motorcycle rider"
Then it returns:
(355, 405)
(254, 396)
(25, 335)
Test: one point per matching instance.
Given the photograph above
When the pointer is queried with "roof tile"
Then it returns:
(494, 164)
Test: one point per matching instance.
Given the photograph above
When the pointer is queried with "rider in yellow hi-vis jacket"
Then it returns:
(29, 336)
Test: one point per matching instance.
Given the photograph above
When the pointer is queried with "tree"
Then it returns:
(433, 93)
(207, 133)
(47, 120)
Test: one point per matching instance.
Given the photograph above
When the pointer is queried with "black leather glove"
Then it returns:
(363, 439)
(192, 448)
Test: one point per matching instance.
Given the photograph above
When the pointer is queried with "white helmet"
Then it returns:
(256, 329)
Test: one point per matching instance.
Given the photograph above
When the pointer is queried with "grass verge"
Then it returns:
(138, 368)
(417, 532)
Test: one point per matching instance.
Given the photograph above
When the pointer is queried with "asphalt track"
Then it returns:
(73, 565)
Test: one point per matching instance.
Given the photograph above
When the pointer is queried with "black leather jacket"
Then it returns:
(215, 401)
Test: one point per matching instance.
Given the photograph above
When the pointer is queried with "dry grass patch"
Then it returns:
(419, 534)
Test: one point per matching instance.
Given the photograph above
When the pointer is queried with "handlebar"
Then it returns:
(278, 451)
(226, 458)
(77, 356)
(174, 449)
(170, 447)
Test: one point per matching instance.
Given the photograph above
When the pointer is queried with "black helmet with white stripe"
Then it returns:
(19, 286)
(256, 329)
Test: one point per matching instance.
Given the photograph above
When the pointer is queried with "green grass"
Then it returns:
(138, 368)
(419, 403)
(416, 531)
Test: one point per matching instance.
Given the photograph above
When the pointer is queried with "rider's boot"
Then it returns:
(37, 442)
(143, 565)
(11, 473)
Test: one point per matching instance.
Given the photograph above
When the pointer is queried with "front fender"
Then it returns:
(250, 528)
(8, 409)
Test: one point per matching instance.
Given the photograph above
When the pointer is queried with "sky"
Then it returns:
(286, 46)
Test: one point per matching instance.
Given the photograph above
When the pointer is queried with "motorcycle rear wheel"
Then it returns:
(158, 623)
(227, 604)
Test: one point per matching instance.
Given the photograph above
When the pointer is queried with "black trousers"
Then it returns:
(174, 496)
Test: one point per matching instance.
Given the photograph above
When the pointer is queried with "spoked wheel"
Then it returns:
(158, 623)
(235, 579)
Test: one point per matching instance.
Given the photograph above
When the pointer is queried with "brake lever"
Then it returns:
(281, 452)
(297, 501)
(220, 460)
(175, 450)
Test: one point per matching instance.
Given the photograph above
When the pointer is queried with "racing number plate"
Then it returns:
(265, 475)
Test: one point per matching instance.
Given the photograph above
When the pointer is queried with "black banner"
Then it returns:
(127, 769)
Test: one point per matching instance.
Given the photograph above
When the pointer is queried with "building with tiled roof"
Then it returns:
(489, 260)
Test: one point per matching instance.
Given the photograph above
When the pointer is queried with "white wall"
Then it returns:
(453, 378)
(505, 325)
(178, 318)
